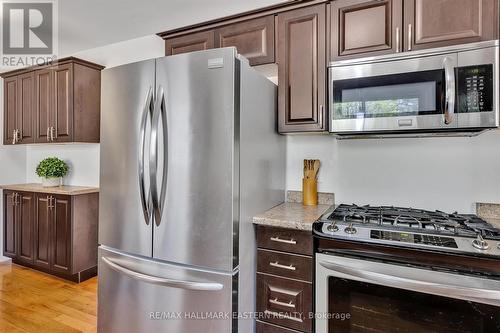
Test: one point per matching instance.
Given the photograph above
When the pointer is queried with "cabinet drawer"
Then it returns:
(288, 265)
(269, 328)
(285, 302)
(285, 240)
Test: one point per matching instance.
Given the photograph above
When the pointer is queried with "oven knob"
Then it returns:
(350, 229)
(332, 227)
(479, 243)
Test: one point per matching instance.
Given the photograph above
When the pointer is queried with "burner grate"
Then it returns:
(409, 218)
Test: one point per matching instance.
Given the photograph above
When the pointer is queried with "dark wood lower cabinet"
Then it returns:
(284, 280)
(42, 231)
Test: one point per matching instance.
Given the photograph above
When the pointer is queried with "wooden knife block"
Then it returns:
(309, 192)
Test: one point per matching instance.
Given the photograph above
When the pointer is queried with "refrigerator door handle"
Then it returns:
(146, 114)
(165, 282)
(158, 196)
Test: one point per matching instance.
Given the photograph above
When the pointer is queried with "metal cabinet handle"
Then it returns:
(398, 40)
(14, 137)
(286, 305)
(278, 265)
(50, 202)
(449, 104)
(146, 114)
(181, 284)
(410, 32)
(286, 241)
(52, 130)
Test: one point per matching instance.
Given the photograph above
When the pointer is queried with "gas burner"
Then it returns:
(397, 218)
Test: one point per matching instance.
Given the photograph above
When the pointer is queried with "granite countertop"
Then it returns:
(63, 190)
(489, 212)
(293, 214)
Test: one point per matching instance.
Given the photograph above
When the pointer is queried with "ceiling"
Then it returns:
(87, 24)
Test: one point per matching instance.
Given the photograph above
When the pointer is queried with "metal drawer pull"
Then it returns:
(286, 305)
(278, 265)
(286, 241)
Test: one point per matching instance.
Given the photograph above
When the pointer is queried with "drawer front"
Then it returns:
(286, 240)
(269, 328)
(288, 265)
(285, 302)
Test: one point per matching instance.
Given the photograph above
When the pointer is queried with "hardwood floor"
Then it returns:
(31, 301)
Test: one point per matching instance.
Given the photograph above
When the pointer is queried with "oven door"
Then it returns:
(396, 95)
(354, 295)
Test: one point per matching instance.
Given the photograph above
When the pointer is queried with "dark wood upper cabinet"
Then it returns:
(61, 233)
(199, 41)
(25, 220)
(10, 100)
(43, 104)
(53, 103)
(26, 108)
(42, 231)
(254, 39)
(436, 23)
(10, 224)
(301, 57)
(366, 28)
(62, 112)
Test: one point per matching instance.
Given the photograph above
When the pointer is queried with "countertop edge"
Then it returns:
(36, 188)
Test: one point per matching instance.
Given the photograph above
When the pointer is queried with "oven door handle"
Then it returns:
(449, 103)
(452, 290)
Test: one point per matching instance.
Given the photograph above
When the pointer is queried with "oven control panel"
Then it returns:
(475, 88)
(414, 238)
(381, 235)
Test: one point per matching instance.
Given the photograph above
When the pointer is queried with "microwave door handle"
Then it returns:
(449, 103)
(412, 282)
(146, 114)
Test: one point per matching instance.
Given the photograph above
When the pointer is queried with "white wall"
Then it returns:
(433, 173)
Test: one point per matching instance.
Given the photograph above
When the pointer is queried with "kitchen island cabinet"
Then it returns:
(54, 233)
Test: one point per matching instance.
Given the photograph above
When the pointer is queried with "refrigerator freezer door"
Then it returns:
(200, 212)
(141, 295)
(124, 203)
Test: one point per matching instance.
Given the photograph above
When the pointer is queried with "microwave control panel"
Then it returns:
(475, 88)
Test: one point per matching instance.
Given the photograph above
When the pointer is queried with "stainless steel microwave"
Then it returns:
(447, 90)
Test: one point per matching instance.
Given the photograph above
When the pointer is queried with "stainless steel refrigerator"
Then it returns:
(189, 153)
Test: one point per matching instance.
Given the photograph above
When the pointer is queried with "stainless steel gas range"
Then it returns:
(392, 269)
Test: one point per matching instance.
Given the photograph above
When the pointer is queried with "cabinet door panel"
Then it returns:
(436, 23)
(61, 234)
(254, 39)
(301, 69)
(26, 107)
(43, 103)
(10, 225)
(62, 115)
(366, 28)
(10, 92)
(42, 231)
(25, 219)
(198, 41)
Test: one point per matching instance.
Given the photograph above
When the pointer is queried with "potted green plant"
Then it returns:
(51, 170)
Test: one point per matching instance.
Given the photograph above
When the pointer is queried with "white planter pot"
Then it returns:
(51, 182)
